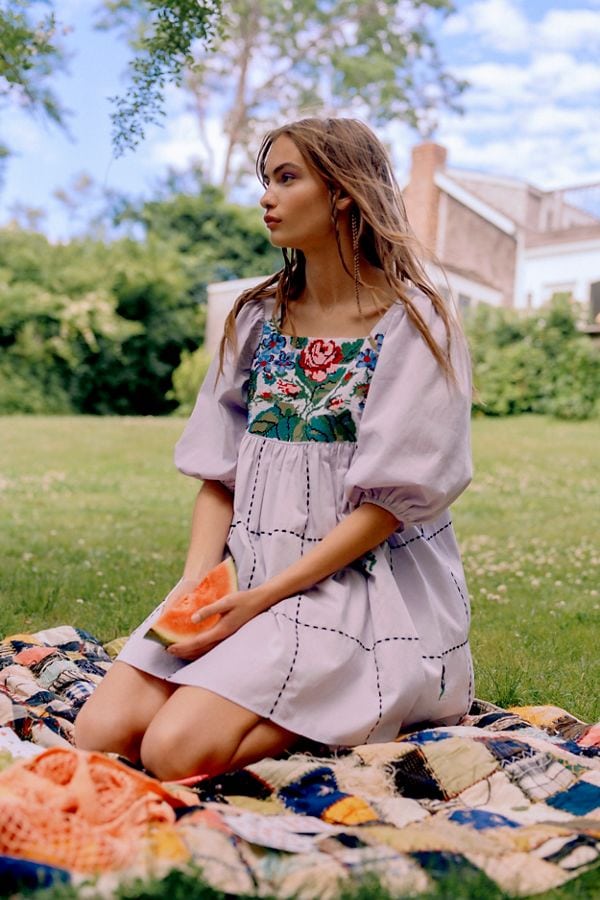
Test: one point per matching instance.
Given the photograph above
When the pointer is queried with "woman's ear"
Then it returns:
(343, 202)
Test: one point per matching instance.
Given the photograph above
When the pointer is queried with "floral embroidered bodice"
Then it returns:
(309, 389)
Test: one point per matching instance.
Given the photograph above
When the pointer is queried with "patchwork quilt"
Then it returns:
(513, 793)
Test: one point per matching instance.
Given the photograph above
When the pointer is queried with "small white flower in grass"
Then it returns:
(501, 588)
(26, 557)
(557, 583)
(593, 593)
(79, 600)
(535, 582)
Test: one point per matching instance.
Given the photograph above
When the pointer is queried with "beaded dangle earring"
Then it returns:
(356, 258)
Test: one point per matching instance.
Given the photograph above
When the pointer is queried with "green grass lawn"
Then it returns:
(95, 525)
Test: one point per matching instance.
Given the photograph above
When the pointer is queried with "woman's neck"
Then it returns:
(329, 286)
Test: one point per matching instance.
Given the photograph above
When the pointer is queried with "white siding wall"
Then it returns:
(546, 270)
(221, 297)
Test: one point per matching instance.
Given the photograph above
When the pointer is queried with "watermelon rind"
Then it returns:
(165, 636)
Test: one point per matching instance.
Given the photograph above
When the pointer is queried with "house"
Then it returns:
(501, 240)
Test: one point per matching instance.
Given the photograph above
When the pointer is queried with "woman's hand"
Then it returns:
(235, 610)
(183, 586)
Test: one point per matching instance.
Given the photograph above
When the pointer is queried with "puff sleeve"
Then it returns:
(413, 455)
(208, 447)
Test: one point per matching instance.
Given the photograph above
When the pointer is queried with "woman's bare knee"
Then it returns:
(115, 735)
(117, 714)
(171, 750)
(198, 732)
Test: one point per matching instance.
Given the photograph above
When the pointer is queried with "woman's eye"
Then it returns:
(287, 176)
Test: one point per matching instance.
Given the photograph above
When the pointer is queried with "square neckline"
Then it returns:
(336, 338)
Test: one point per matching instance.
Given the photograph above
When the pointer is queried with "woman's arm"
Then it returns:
(211, 520)
(365, 528)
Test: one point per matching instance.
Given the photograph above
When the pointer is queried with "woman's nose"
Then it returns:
(266, 200)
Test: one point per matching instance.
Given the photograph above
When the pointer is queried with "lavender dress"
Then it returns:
(303, 431)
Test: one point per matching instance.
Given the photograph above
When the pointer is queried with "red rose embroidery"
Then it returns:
(319, 358)
(336, 403)
(267, 395)
(288, 388)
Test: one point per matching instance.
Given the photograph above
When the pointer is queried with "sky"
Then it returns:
(532, 110)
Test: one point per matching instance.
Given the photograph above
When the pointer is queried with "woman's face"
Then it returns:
(296, 200)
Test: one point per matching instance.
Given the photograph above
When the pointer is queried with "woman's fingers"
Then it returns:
(213, 609)
(234, 610)
(196, 646)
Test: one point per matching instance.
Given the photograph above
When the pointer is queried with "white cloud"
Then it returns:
(499, 23)
(181, 143)
(569, 29)
(535, 116)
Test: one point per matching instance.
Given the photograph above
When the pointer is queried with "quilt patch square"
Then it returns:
(413, 777)
(581, 799)
(540, 776)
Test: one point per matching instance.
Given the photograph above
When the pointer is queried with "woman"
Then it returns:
(331, 435)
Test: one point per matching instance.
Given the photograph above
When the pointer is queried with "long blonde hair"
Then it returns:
(352, 161)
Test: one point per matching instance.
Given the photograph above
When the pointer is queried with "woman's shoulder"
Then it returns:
(253, 312)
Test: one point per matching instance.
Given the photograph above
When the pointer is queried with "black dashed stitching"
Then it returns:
(379, 697)
(254, 556)
(291, 669)
(462, 596)
(350, 637)
(260, 453)
(421, 536)
(261, 533)
(299, 597)
(446, 652)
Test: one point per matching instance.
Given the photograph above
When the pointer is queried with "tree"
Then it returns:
(164, 37)
(272, 61)
(99, 327)
(30, 51)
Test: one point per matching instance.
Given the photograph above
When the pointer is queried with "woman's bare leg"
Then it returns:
(198, 732)
(117, 714)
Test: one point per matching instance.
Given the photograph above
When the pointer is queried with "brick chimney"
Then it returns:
(421, 195)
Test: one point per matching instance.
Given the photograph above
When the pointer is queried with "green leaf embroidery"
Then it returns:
(321, 428)
(324, 388)
(265, 423)
(280, 421)
(351, 348)
(286, 427)
(345, 426)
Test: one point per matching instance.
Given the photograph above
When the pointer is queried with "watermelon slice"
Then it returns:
(175, 623)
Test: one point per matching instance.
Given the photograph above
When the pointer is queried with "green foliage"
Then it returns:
(99, 328)
(24, 389)
(187, 379)
(271, 62)
(30, 54)
(219, 240)
(166, 37)
(533, 363)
